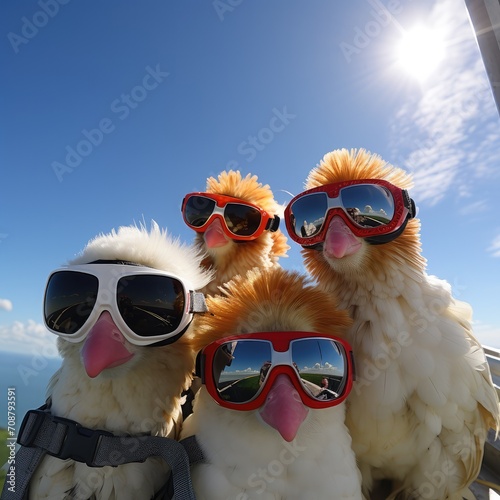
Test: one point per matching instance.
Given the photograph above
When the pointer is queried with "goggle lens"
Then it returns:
(241, 368)
(237, 369)
(150, 305)
(198, 210)
(69, 300)
(309, 214)
(242, 220)
(366, 205)
(321, 367)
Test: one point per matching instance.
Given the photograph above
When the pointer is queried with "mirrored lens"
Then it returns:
(308, 214)
(240, 368)
(368, 205)
(69, 299)
(198, 209)
(150, 305)
(321, 366)
(242, 220)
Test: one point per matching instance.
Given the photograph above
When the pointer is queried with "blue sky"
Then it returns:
(112, 111)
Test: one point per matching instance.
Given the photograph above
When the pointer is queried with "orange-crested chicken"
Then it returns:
(424, 399)
(270, 414)
(237, 221)
(122, 310)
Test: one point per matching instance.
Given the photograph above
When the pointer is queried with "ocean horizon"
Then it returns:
(27, 375)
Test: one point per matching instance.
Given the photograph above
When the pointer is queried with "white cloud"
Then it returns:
(28, 337)
(473, 208)
(494, 248)
(6, 304)
(322, 369)
(246, 370)
(447, 135)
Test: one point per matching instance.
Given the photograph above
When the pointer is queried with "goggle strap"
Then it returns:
(198, 369)
(117, 262)
(170, 340)
(273, 224)
(409, 204)
(197, 302)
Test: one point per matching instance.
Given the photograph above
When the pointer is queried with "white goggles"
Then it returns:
(148, 305)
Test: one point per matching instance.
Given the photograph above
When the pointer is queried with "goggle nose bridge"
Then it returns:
(218, 211)
(279, 358)
(334, 202)
(105, 297)
(283, 358)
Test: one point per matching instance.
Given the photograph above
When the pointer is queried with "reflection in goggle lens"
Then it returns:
(368, 205)
(69, 300)
(241, 368)
(150, 305)
(309, 213)
(321, 367)
(241, 220)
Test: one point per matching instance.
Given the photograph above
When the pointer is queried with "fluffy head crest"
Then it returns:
(248, 188)
(343, 165)
(153, 248)
(269, 300)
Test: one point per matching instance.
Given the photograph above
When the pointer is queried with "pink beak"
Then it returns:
(340, 241)
(214, 235)
(104, 347)
(283, 409)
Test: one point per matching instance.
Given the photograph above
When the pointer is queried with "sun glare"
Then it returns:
(420, 52)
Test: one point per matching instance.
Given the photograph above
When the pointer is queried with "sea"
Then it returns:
(23, 381)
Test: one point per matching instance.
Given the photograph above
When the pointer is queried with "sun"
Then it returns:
(420, 51)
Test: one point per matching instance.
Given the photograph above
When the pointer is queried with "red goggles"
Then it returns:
(372, 208)
(240, 220)
(239, 371)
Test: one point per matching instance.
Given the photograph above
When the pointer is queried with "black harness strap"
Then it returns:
(42, 433)
(193, 450)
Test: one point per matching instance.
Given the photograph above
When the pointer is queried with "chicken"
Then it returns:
(107, 381)
(424, 399)
(229, 254)
(278, 448)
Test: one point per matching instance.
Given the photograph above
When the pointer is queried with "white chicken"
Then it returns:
(279, 448)
(108, 382)
(231, 245)
(424, 399)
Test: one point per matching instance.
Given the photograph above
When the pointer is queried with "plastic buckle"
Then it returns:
(27, 438)
(80, 443)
